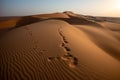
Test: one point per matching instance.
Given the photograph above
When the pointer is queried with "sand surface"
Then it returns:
(59, 46)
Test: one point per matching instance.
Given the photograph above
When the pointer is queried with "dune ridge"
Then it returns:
(70, 17)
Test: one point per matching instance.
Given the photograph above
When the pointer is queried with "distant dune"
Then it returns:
(70, 17)
(59, 46)
(66, 16)
(54, 15)
(9, 23)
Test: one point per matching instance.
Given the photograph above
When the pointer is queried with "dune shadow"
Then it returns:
(78, 21)
(72, 20)
(27, 20)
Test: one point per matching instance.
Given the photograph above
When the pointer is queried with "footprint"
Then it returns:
(75, 61)
(64, 58)
(54, 58)
(63, 44)
(51, 58)
(63, 37)
(70, 59)
(60, 33)
(69, 55)
(65, 41)
(67, 48)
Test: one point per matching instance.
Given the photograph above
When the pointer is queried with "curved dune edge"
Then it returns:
(106, 37)
(54, 50)
(70, 17)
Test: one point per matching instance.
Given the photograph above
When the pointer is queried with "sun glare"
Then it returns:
(117, 5)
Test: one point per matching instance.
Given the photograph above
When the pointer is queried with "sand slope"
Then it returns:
(54, 50)
(107, 37)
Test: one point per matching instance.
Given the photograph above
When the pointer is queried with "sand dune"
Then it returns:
(13, 22)
(17, 22)
(111, 26)
(55, 49)
(104, 38)
(53, 15)
(10, 23)
(68, 16)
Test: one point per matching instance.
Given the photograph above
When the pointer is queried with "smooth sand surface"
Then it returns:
(106, 39)
(57, 50)
(111, 26)
(114, 28)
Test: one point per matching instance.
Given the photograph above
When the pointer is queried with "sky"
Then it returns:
(87, 7)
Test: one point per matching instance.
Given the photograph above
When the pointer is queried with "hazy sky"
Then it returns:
(89, 7)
